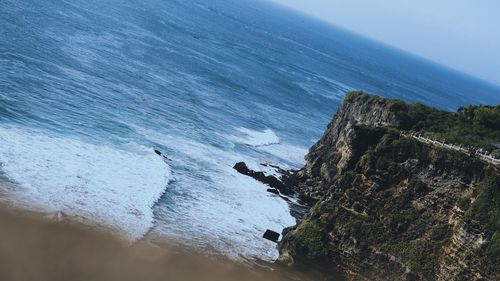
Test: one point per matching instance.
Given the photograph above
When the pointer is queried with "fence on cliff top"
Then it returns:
(474, 152)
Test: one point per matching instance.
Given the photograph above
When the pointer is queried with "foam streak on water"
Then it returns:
(256, 138)
(267, 141)
(93, 86)
(104, 184)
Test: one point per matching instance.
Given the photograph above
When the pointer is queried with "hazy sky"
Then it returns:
(463, 34)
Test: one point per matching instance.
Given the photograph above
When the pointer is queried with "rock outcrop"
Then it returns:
(281, 183)
(391, 207)
(272, 181)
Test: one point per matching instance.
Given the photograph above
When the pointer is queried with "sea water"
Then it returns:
(88, 89)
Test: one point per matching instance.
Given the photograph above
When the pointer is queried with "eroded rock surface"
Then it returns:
(391, 207)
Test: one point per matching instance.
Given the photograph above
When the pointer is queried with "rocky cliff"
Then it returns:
(391, 206)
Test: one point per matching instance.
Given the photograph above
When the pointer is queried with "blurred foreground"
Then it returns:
(32, 248)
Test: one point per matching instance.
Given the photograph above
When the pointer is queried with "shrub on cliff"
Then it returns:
(383, 157)
(486, 208)
(493, 249)
(477, 126)
(310, 234)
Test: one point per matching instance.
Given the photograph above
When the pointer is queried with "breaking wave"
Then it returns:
(111, 186)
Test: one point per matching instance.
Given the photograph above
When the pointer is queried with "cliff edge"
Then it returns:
(405, 192)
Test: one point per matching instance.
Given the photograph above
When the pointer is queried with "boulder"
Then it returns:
(271, 235)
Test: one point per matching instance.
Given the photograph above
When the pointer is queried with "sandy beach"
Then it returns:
(32, 247)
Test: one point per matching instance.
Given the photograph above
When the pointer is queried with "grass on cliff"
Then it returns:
(310, 234)
(492, 249)
(484, 214)
(382, 158)
(419, 255)
(474, 126)
(485, 211)
(486, 208)
(422, 254)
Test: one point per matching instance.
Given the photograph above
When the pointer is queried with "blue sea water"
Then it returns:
(89, 88)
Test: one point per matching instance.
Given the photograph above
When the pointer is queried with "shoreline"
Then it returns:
(60, 218)
(34, 246)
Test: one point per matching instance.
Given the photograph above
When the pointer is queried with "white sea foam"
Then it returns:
(256, 138)
(267, 141)
(287, 152)
(107, 185)
(230, 214)
(213, 207)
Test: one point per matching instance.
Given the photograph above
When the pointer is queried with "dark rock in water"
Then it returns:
(272, 181)
(271, 235)
(283, 187)
(242, 168)
(272, 190)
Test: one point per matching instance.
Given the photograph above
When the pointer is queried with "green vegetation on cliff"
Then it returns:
(383, 157)
(492, 249)
(486, 208)
(474, 126)
(311, 235)
(421, 256)
(484, 213)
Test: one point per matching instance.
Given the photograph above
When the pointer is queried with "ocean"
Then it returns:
(89, 88)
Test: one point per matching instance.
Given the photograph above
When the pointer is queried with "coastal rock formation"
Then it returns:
(276, 184)
(393, 207)
(283, 182)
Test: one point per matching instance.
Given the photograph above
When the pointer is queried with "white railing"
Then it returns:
(471, 152)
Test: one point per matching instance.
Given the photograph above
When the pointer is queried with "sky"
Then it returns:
(461, 34)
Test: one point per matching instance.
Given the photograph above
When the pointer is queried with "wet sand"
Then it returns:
(35, 248)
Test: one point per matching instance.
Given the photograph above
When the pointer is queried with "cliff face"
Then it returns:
(356, 126)
(394, 207)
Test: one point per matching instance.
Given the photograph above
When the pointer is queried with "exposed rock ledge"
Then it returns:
(393, 207)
